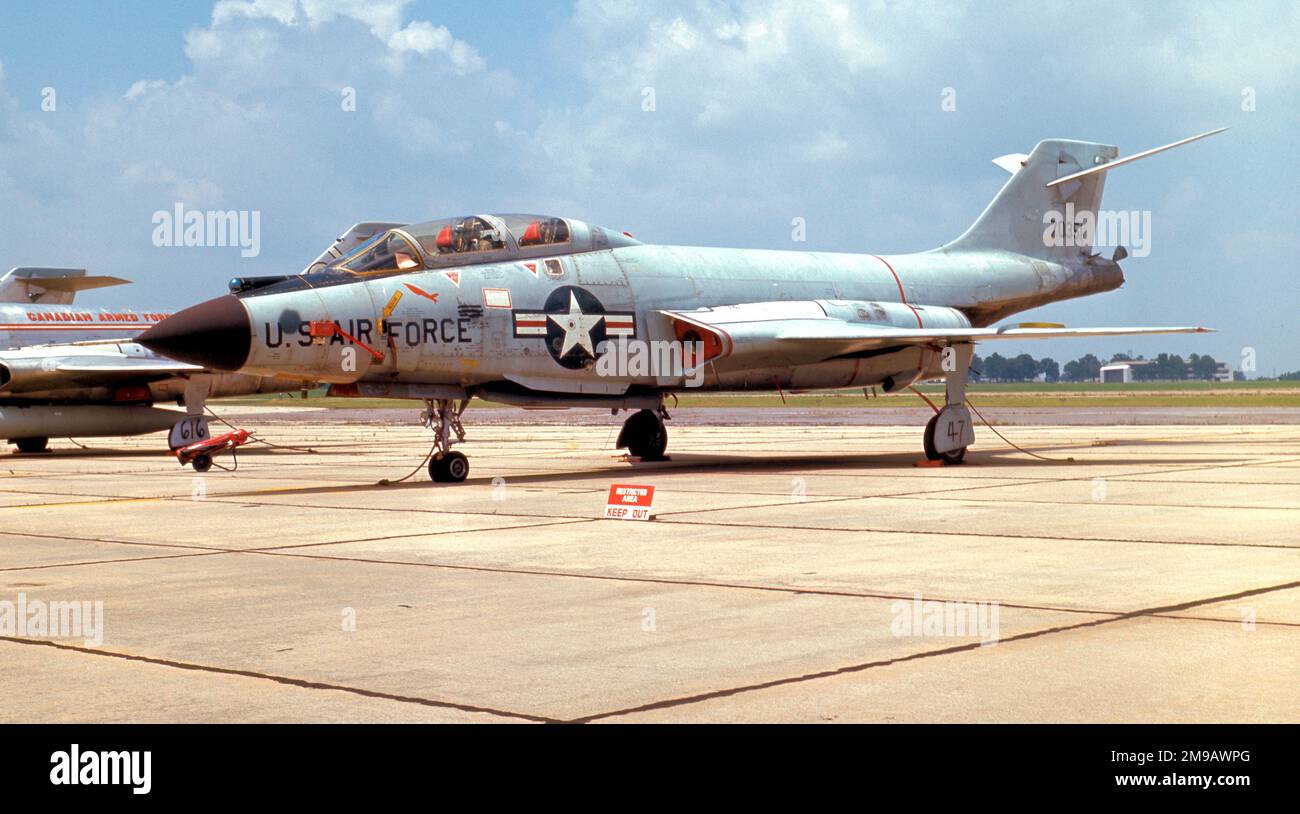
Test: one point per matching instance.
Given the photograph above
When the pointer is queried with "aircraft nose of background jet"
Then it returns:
(215, 334)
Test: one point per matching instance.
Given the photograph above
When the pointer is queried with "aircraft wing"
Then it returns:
(125, 367)
(54, 367)
(56, 286)
(868, 337)
(806, 332)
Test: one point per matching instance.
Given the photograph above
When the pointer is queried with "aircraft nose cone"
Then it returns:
(215, 334)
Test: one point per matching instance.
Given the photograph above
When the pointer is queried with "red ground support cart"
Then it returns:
(199, 455)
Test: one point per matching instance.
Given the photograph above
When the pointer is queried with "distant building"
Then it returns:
(1117, 373)
(1145, 370)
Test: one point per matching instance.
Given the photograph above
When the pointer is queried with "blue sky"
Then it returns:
(764, 111)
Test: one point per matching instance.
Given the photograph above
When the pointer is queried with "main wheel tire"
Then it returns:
(645, 436)
(202, 463)
(31, 444)
(452, 467)
(953, 457)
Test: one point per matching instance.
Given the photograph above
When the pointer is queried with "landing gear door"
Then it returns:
(189, 430)
(953, 430)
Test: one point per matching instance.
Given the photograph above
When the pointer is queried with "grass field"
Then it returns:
(1027, 394)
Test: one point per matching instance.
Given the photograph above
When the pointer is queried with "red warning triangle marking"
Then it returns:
(531, 268)
(454, 276)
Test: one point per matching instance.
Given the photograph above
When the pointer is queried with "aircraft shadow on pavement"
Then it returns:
(106, 452)
(694, 463)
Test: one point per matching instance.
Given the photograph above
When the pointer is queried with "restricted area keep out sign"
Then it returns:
(629, 502)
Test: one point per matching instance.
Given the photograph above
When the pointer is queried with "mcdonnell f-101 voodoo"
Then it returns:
(551, 311)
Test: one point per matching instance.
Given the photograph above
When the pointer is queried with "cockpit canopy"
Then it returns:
(447, 243)
(531, 230)
(475, 239)
(389, 251)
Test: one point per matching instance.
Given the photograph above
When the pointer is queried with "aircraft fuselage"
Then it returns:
(477, 325)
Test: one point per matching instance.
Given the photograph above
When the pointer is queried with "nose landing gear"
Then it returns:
(443, 418)
(644, 434)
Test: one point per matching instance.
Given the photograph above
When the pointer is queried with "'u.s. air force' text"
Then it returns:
(413, 332)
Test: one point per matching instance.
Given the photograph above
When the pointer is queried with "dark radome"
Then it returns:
(216, 334)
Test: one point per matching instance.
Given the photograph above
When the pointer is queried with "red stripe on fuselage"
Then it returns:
(901, 296)
(73, 326)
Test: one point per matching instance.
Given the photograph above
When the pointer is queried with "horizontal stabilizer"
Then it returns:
(1110, 165)
(53, 286)
(1011, 163)
(73, 284)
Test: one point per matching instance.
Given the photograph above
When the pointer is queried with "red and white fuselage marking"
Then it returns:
(23, 325)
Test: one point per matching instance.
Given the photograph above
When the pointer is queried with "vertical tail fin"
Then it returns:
(1014, 221)
(1061, 177)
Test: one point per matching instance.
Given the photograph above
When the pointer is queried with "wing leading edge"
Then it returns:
(802, 332)
(52, 367)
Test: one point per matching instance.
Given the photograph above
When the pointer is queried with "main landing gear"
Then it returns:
(644, 434)
(949, 432)
(31, 444)
(443, 417)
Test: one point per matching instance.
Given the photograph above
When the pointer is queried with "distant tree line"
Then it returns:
(1022, 368)
(1165, 367)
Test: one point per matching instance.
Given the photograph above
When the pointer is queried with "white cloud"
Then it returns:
(195, 192)
(143, 86)
(423, 37)
(745, 97)
(282, 11)
(257, 122)
(827, 146)
(382, 17)
(682, 35)
(752, 100)
(228, 35)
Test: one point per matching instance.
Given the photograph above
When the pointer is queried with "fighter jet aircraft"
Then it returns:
(67, 370)
(551, 311)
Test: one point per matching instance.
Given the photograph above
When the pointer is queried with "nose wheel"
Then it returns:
(443, 417)
(644, 435)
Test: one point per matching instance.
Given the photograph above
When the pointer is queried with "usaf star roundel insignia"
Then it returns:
(573, 324)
